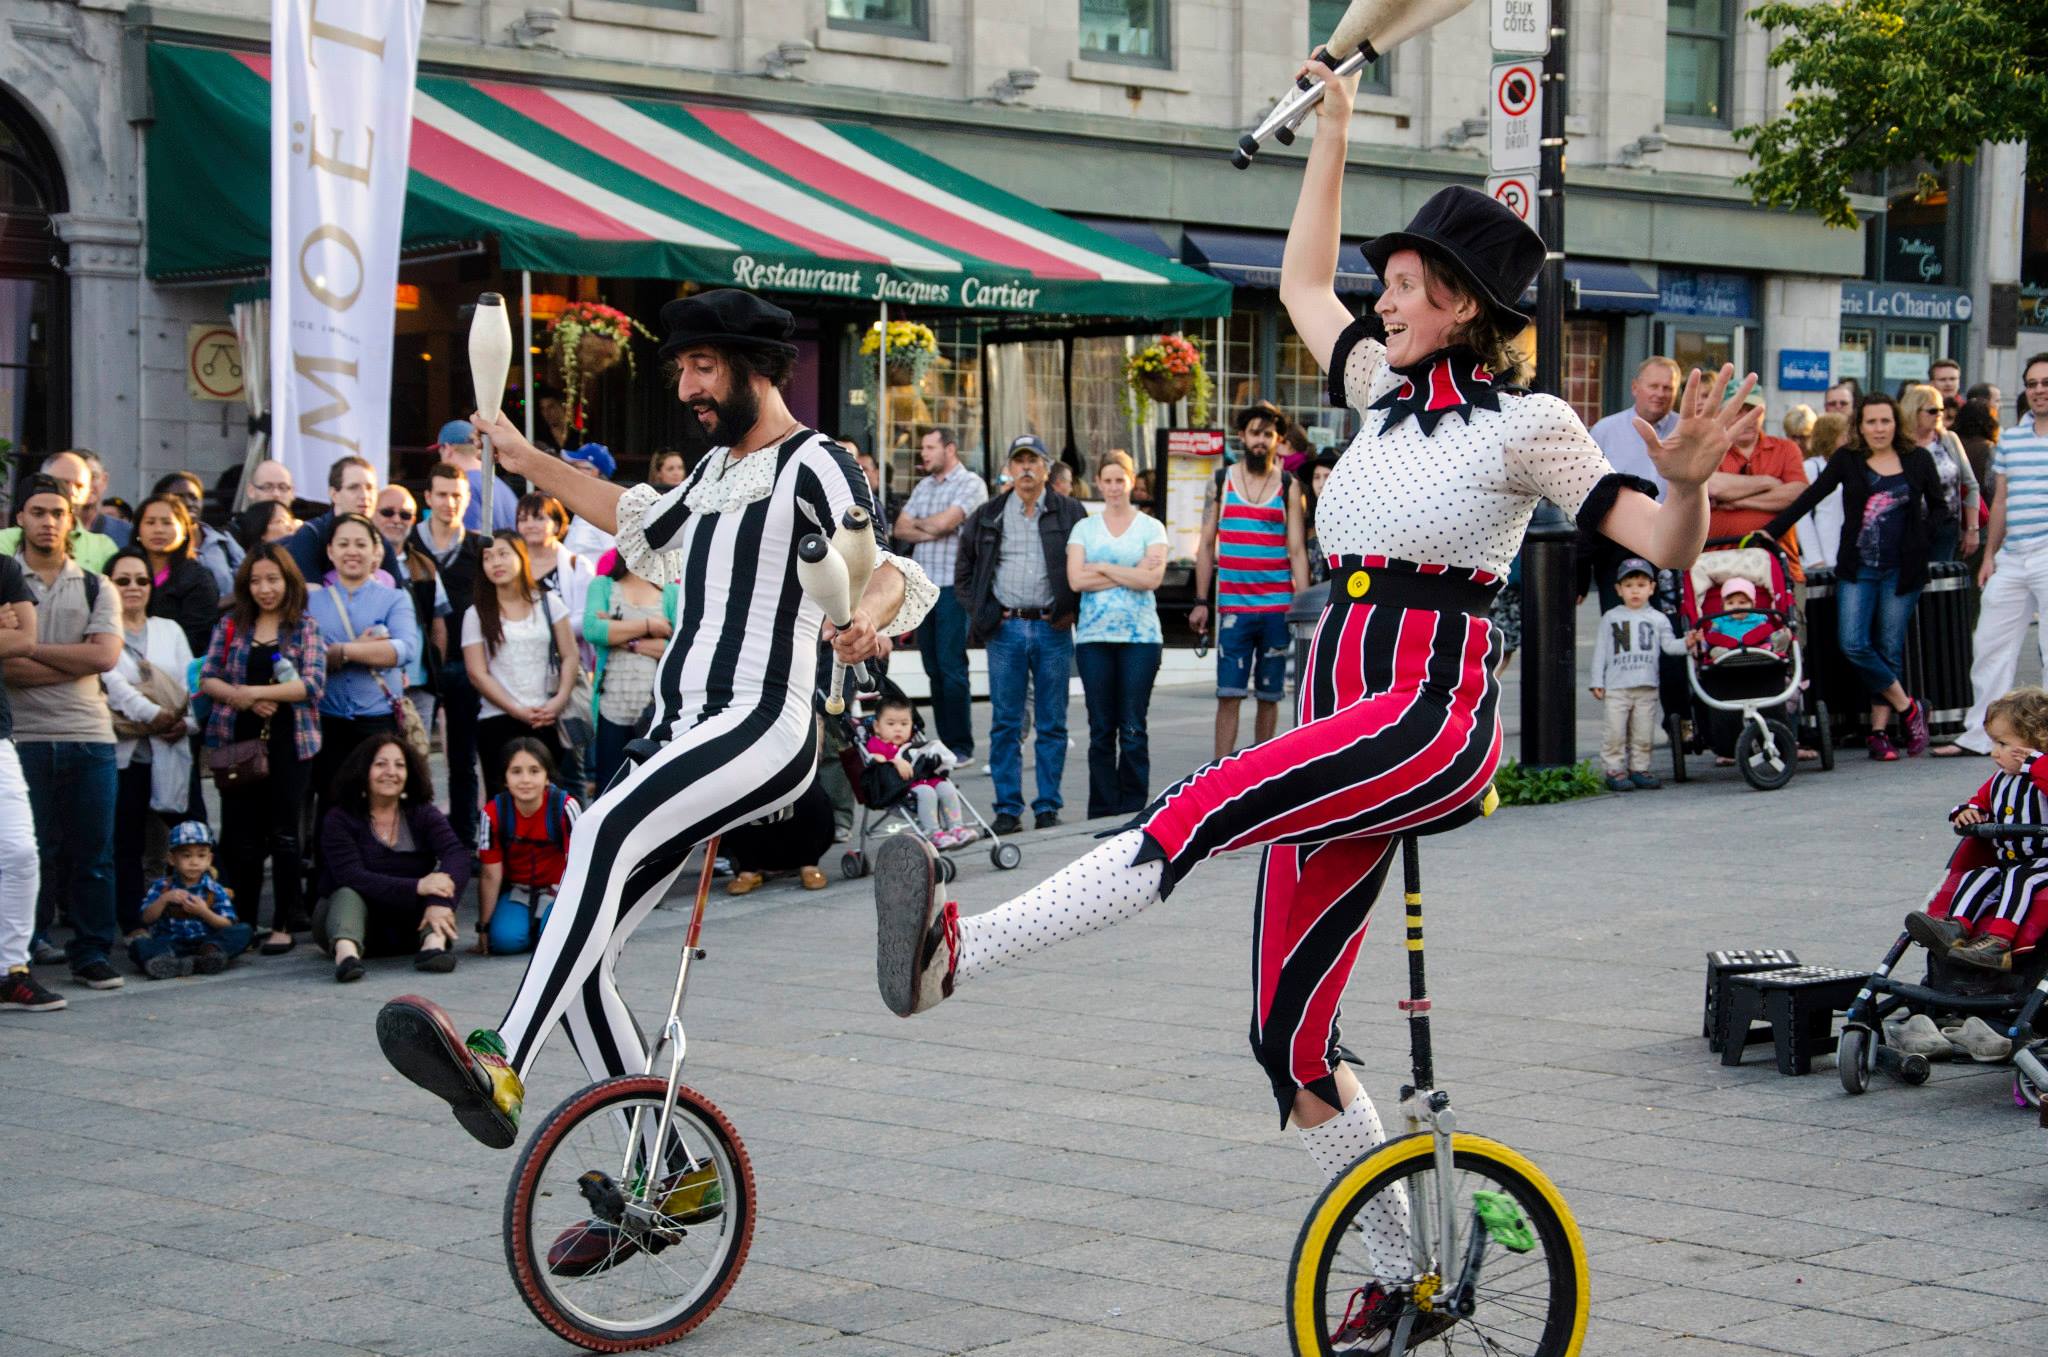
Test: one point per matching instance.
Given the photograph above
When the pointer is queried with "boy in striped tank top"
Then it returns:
(1253, 551)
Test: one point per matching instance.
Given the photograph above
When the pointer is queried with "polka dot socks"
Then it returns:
(1101, 889)
(1335, 1145)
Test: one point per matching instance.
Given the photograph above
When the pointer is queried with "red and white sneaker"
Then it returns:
(917, 935)
(1372, 1315)
(1916, 729)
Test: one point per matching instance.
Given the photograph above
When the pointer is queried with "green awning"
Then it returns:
(570, 181)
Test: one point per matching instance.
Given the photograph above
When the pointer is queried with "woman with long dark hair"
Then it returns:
(184, 590)
(371, 634)
(392, 869)
(521, 657)
(1893, 509)
(265, 670)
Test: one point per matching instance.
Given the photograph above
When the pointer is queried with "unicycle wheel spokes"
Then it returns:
(615, 1242)
(1512, 1283)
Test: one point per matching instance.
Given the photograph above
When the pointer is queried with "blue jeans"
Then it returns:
(1116, 680)
(517, 920)
(1041, 655)
(71, 794)
(1871, 619)
(1251, 655)
(942, 646)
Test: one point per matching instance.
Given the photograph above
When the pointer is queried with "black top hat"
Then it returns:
(726, 316)
(1485, 244)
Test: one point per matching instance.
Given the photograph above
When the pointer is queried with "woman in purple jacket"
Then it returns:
(392, 869)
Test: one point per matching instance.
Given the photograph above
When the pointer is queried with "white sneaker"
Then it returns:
(917, 935)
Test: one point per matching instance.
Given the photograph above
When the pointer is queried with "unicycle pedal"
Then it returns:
(1503, 1221)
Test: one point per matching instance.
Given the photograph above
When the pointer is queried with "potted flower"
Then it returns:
(913, 348)
(588, 340)
(1168, 369)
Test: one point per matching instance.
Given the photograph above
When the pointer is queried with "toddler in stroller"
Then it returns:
(1743, 672)
(1992, 901)
(922, 762)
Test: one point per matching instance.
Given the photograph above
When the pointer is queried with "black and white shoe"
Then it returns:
(917, 935)
(97, 975)
(21, 992)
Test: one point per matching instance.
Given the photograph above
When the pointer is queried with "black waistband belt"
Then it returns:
(1028, 614)
(1405, 587)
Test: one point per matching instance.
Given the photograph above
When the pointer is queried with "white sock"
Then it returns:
(1335, 1146)
(1093, 893)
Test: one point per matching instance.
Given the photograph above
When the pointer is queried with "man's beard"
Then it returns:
(1257, 460)
(731, 420)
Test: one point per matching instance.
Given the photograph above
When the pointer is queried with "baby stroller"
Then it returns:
(885, 796)
(2008, 1000)
(1744, 699)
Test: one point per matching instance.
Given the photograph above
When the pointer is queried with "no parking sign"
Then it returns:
(1516, 192)
(1515, 116)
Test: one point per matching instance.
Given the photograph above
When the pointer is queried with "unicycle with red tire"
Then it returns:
(631, 1209)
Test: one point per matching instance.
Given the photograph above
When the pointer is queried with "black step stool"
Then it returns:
(1725, 966)
(1799, 1003)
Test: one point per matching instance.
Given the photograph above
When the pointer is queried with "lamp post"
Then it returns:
(1550, 643)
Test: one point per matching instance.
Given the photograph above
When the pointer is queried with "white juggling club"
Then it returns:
(1368, 30)
(854, 540)
(822, 573)
(490, 359)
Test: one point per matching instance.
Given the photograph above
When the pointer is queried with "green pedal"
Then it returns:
(1503, 1221)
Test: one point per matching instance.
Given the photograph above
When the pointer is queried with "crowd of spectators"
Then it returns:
(304, 662)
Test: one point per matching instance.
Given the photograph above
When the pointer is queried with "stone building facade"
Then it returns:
(1118, 111)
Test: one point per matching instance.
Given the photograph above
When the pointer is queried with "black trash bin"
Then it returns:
(1938, 651)
(1303, 613)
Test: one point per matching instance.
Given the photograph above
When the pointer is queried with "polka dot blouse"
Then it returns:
(1461, 496)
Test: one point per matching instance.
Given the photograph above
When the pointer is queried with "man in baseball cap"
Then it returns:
(1012, 579)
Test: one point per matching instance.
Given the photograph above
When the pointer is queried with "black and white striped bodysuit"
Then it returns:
(733, 717)
(1997, 897)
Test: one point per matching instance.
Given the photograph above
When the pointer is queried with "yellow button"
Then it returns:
(1358, 584)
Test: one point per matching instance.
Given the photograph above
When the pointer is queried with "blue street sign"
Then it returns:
(1803, 369)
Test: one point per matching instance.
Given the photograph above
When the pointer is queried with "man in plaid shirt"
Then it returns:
(930, 523)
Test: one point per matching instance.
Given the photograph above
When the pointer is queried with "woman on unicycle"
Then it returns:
(1398, 730)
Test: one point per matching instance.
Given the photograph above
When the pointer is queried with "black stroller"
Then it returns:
(884, 796)
(2009, 1000)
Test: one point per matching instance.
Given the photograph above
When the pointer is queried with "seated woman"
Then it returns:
(392, 869)
(524, 849)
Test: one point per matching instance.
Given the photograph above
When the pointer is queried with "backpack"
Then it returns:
(554, 818)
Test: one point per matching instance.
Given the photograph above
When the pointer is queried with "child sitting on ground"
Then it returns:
(922, 762)
(1739, 626)
(523, 849)
(1632, 637)
(1991, 903)
(190, 916)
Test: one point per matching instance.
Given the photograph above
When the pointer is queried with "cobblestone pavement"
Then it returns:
(1077, 1156)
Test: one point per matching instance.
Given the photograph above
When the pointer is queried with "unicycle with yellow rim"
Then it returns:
(1439, 1241)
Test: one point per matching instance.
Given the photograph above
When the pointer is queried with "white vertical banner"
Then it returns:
(341, 94)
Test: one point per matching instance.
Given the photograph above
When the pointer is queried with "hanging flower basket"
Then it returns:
(588, 340)
(1166, 371)
(913, 348)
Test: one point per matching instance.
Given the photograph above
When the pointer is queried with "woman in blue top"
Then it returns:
(1114, 561)
(371, 635)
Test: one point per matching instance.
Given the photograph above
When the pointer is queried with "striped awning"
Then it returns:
(572, 181)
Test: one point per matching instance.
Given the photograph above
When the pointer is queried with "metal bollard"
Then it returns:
(1549, 642)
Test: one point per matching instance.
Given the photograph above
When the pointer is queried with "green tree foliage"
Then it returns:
(1877, 84)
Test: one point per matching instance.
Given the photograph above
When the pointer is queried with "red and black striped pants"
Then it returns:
(1398, 733)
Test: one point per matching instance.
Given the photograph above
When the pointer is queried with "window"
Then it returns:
(1919, 239)
(1698, 60)
(1322, 19)
(1131, 31)
(904, 18)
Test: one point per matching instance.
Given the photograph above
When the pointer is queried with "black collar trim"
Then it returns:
(1448, 380)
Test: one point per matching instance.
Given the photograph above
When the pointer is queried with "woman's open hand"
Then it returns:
(1706, 427)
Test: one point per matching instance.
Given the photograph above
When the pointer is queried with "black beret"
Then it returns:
(726, 316)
